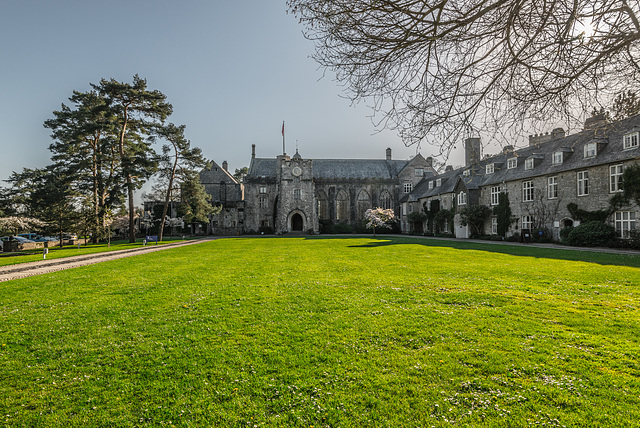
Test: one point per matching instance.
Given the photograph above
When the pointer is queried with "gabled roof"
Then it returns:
(215, 174)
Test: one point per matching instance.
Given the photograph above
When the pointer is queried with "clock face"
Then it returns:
(297, 171)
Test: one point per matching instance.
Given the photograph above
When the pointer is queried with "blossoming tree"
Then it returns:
(379, 217)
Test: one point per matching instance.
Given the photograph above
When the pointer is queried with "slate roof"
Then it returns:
(335, 169)
(610, 150)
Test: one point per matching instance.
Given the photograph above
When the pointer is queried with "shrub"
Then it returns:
(342, 228)
(591, 234)
(266, 230)
(545, 237)
(326, 225)
(514, 238)
(564, 233)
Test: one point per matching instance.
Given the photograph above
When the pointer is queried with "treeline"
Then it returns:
(102, 152)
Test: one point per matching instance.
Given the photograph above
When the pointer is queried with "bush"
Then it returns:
(591, 234)
(342, 228)
(326, 225)
(564, 233)
(496, 238)
(545, 237)
(266, 230)
(514, 238)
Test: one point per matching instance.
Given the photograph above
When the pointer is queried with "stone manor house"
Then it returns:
(293, 194)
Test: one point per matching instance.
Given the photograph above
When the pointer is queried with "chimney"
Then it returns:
(225, 165)
(594, 122)
(543, 138)
(388, 153)
(448, 168)
(430, 161)
(507, 150)
(253, 151)
(472, 151)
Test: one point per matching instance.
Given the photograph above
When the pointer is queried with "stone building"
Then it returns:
(540, 180)
(225, 190)
(293, 194)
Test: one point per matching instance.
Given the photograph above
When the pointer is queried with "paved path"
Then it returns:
(24, 270)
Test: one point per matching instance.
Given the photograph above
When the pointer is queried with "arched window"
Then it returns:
(323, 206)
(342, 206)
(462, 198)
(385, 200)
(364, 203)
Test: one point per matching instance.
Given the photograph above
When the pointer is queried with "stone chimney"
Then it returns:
(430, 161)
(472, 151)
(253, 151)
(595, 122)
(448, 168)
(225, 165)
(388, 153)
(543, 138)
(507, 150)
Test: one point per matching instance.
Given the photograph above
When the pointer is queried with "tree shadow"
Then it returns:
(598, 256)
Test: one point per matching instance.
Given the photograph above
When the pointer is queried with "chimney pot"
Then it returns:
(388, 153)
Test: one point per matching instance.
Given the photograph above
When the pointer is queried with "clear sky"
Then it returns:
(233, 71)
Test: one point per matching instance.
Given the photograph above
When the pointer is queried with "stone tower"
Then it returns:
(296, 210)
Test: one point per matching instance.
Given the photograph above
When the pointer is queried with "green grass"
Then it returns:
(7, 259)
(319, 332)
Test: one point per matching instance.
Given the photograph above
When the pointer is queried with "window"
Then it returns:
(385, 200)
(528, 164)
(466, 173)
(552, 187)
(408, 187)
(262, 202)
(583, 183)
(363, 203)
(462, 198)
(557, 158)
(625, 223)
(526, 222)
(630, 141)
(323, 205)
(263, 189)
(431, 185)
(527, 191)
(404, 208)
(419, 172)
(342, 206)
(615, 178)
(296, 194)
(512, 163)
(495, 195)
(494, 225)
(590, 150)
(438, 182)
(490, 168)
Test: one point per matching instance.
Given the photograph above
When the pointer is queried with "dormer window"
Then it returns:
(490, 168)
(528, 163)
(512, 163)
(431, 185)
(466, 173)
(590, 150)
(439, 182)
(557, 158)
(630, 141)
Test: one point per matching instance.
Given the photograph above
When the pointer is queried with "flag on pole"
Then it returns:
(283, 128)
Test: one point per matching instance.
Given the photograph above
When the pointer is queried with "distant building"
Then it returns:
(224, 190)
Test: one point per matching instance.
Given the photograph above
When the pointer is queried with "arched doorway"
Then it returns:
(296, 223)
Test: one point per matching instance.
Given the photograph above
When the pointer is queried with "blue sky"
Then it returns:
(233, 70)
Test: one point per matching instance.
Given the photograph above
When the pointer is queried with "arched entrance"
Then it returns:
(296, 223)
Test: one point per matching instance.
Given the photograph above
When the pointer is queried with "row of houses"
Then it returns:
(541, 180)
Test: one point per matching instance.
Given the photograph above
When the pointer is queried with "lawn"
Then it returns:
(388, 332)
(7, 259)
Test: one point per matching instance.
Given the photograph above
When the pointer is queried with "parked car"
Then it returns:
(34, 237)
(2, 240)
(21, 239)
(69, 236)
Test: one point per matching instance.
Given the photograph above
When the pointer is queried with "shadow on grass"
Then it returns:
(589, 256)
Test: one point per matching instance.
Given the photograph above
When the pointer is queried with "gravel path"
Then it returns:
(24, 270)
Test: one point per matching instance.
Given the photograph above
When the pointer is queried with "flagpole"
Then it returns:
(283, 150)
